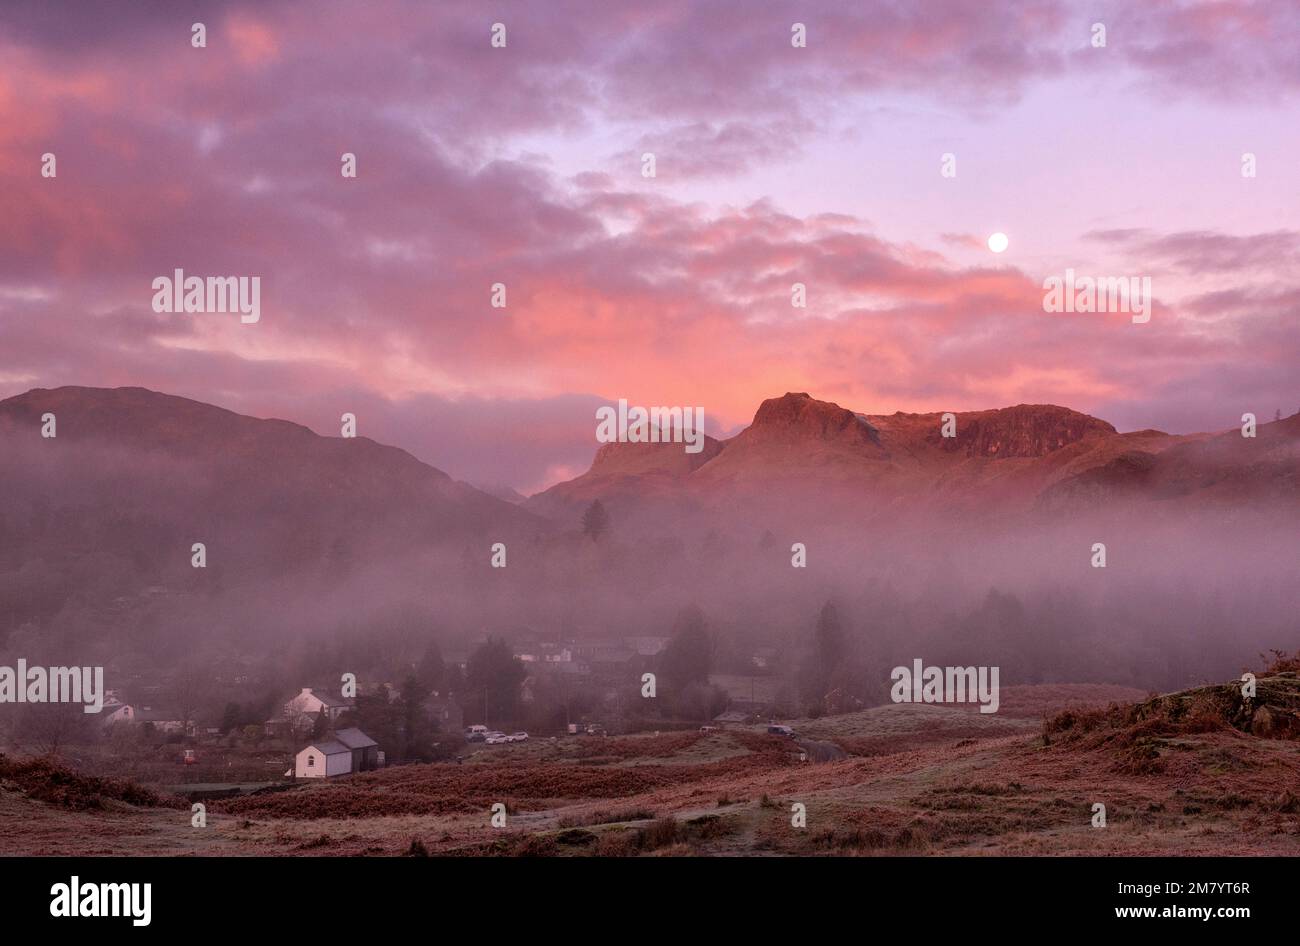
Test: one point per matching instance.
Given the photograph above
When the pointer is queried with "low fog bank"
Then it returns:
(1182, 599)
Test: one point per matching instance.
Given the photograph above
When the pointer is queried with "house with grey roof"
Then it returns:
(340, 753)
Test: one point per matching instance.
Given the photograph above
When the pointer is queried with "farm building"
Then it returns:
(342, 753)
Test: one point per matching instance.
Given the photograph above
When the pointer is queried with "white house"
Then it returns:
(325, 759)
(343, 753)
(312, 701)
(114, 712)
(300, 713)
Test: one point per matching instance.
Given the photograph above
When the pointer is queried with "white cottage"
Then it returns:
(300, 713)
(343, 753)
(114, 712)
(313, 701)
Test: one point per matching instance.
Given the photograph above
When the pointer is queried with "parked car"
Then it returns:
(708, 729)
(781, 731)
(518, 737)
(496, 738)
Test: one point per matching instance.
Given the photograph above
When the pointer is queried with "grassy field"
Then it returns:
(1176, 776)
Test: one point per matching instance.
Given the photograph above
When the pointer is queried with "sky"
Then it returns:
(774, 164)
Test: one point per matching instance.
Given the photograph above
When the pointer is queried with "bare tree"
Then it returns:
(190, 691)
(296, 721)
(50, 727)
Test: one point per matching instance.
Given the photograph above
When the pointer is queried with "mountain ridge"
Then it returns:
(147, 474)
(1025, 455)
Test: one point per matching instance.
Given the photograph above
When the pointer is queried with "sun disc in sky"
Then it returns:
(998, 242)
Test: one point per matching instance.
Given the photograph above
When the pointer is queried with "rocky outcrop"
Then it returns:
(800, 417)
(1026, 430)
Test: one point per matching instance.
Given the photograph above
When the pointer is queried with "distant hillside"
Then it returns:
(102, 518)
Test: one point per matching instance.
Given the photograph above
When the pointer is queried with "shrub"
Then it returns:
(1284, 664)
(604, 816)
(706, 827)
(534, 845)
(575, 837)
(660, 833)
(46, 780)
(616, 843)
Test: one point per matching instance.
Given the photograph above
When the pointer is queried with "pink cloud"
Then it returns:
(226, 160)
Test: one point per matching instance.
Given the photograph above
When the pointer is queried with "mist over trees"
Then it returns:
(393, 578)
(397, 721)
(685, 665)
(493, 675)
(834, 629)
(595, 520)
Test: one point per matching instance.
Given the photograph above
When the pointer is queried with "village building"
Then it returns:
(545, 653)
(114, 712)
(165, 721)
(605, 658)
(345, 752)
(301, 712)
(312, 701)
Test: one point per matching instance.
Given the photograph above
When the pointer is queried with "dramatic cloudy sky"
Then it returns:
(775, 165)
